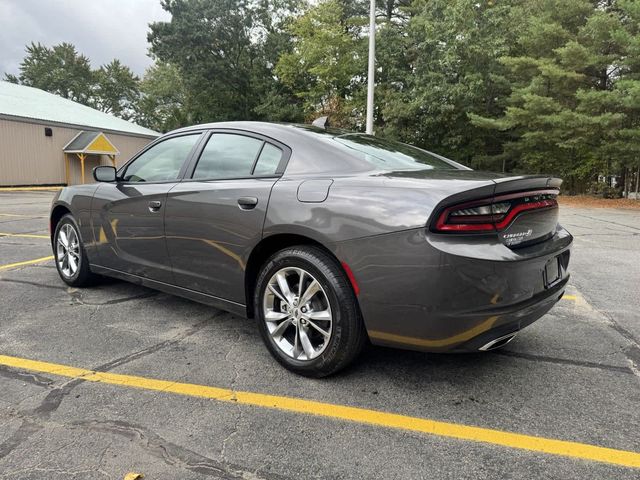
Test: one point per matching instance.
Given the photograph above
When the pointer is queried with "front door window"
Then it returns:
(162, 162)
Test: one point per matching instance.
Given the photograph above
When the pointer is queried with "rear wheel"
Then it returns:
(71, 259)
(307, 312)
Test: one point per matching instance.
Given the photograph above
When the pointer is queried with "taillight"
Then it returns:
(493, 214)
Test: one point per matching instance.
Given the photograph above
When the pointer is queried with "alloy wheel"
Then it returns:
(68, 250)
(297, 313)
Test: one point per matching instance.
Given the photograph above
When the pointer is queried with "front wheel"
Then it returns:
(71, 259)
(307, 312)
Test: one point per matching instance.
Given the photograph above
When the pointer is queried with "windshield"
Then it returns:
(391, 155)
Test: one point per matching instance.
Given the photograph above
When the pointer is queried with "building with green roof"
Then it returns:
(37, 127)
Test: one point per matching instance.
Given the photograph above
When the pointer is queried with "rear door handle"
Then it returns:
(154, 205)
(247, 203)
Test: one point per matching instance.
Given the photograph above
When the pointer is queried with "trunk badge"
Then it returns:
(518, 237)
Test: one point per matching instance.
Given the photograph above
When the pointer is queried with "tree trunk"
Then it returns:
(627, 181)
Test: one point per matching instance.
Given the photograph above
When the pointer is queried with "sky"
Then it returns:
(100, 29)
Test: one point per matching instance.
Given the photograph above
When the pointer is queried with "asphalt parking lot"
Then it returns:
(184, 391)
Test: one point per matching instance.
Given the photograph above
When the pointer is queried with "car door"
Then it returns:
(214, 218)
(128, 215)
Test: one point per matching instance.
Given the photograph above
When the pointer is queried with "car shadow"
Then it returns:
(384, 363)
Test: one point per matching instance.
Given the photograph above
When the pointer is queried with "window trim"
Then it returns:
(185, 163)
(286, 155)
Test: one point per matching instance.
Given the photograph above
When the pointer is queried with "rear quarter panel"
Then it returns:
(362, 206)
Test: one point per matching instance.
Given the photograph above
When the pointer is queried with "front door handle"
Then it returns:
(154, 205)
(247, 203)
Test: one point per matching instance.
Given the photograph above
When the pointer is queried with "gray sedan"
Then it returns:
(328, 239)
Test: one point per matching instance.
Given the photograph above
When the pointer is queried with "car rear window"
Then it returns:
(392, 155)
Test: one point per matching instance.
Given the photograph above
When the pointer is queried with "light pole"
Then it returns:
(372, 65)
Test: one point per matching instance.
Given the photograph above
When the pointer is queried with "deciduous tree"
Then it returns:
(60, 70)
(117, 90)
(220, 49)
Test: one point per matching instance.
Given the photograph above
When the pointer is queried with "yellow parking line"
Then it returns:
(341, 412)
(15, 215)
(23, 235)
(133, 476)
(569, 297)
(28, 189)
(27, 262)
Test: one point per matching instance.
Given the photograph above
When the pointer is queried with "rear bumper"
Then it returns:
(514, 318)
(447, 294)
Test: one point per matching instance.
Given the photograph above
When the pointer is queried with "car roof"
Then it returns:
(265, 128)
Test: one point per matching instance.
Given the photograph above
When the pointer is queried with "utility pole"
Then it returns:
(372, 65)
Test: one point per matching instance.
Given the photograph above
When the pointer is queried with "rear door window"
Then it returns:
(227, 155)
(232, 155)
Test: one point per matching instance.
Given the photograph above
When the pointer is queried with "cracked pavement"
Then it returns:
(573, 375)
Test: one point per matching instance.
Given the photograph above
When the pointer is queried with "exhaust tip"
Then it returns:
(497, 342)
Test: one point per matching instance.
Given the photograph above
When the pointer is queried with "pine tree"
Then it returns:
(452, 49)
(570, 111)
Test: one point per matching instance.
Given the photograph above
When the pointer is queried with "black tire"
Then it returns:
(348, 335)
(82, 276)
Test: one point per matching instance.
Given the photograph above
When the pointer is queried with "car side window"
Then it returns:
(268, 161)
(162, 162)
(227, 155)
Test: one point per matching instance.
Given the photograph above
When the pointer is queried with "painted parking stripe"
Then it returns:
(569, 297)
(30, 189)
(26, 217)
(23, 235)
(340, 412)
(26, 262)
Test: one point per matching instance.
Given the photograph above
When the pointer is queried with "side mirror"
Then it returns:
(104, 174)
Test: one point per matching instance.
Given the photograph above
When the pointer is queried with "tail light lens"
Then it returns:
(493, 214)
